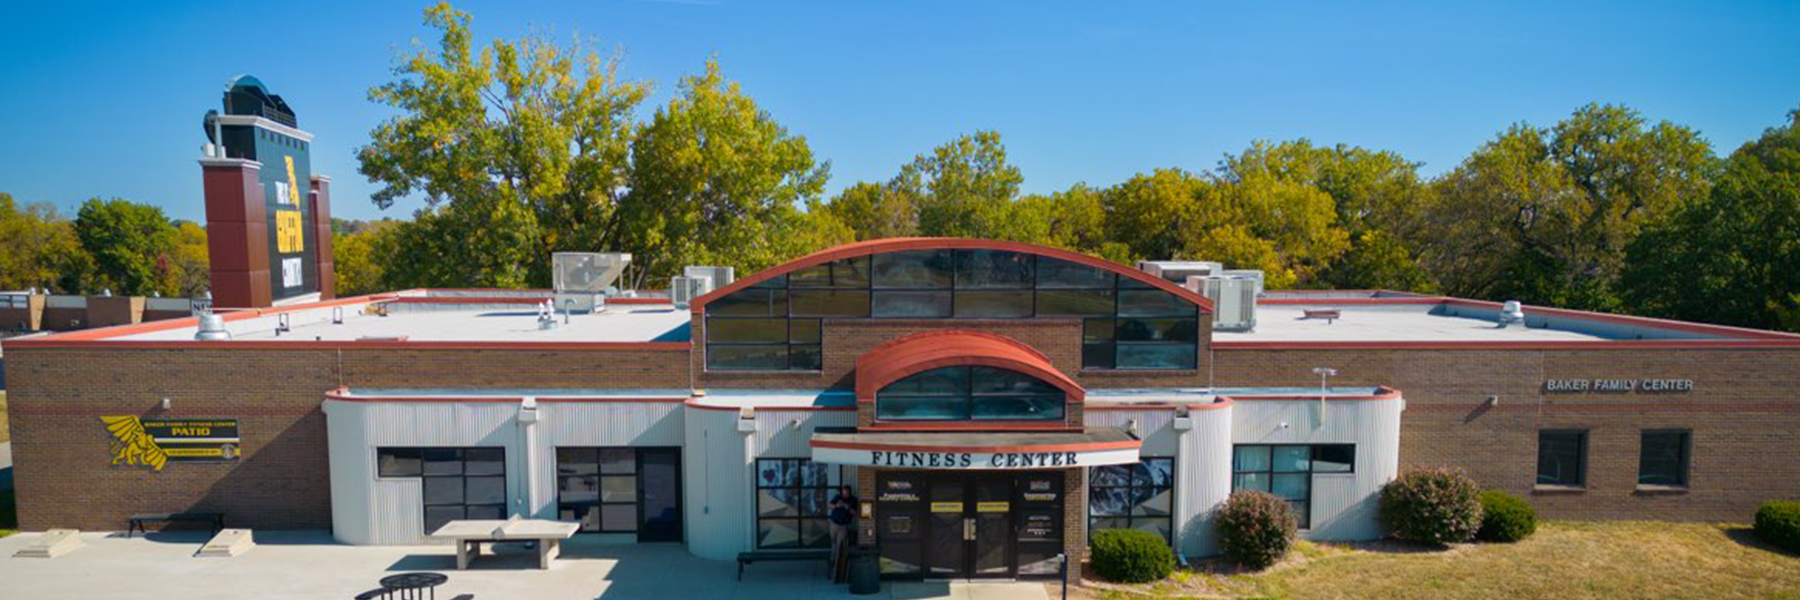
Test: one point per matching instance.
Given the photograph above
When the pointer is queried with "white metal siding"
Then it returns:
(1203, 479)
(716, 484)
(788, 433)
(1344, 506)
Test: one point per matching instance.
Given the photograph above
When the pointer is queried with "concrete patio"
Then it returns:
(309, 565)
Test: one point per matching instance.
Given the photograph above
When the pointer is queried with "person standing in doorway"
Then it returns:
(843, 520)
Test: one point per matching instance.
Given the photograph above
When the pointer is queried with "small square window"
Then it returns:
(1562, 458)
(1663, 458)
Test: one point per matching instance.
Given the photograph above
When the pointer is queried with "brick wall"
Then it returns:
(1744, 412)
(62, 451)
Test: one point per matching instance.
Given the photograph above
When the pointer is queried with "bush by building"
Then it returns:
(1436, 506)
(1256, 528)
(1778, 523)
(1505, 517)
(1130, 556)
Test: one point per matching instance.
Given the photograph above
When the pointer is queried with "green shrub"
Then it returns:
(1131, 556)
(1778, 523)
(1436, 506)
(1255, 528)
(1505, 518)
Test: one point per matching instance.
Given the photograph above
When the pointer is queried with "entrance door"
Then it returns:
(659, 497)
(969, 525)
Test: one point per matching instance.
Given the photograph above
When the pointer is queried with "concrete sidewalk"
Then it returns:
(309, 565)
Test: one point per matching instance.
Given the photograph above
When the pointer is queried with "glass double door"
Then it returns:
(969, 525)
(621, 490)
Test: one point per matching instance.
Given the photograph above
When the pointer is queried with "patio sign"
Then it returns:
(153, 443)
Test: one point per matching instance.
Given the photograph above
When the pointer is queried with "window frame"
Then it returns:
(971, 399)
(799, 518)
(1581, 459)
(600, 476)
(1131, 485)
(1312, 458)
(1684, 466)
(862, 274)
(461, 451)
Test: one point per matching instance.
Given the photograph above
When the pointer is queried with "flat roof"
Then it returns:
(447, 319)
(1372, 319)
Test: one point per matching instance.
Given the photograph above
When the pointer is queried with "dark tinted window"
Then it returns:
(1663, 458)
(930, 269)
(1562, 458)
(1055, 273)
(922, 304)
(993, 269)
(963, 393)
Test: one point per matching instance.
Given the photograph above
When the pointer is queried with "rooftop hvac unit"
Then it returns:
(1233, 298)
(580, 279)
(1178, 271)
(684, 289)
(721, 276)
(1254, 274)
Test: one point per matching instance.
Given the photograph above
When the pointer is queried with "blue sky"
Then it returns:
(105, 99)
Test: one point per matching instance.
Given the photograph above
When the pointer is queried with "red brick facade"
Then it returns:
(1744, 412)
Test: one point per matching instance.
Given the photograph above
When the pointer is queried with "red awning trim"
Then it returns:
(919, 352)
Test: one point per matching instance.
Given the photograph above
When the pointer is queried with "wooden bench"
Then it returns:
(138, 521)
(745, 558)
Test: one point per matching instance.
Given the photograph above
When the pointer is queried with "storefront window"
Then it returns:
(969, 393)
(456, 483)
(792, 500)
(1562, 458)
(1130, 325)
(621, 490)
(1287, 470)
(1137, 496)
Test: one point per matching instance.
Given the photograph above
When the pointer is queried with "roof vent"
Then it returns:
(212, 328)
(1512, 313)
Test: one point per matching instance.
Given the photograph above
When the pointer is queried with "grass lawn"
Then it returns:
(1565, 559)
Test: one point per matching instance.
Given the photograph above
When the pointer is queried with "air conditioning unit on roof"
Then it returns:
(683, 289)
(1178, 271)
(720, 276)
(1233, 298)
(579, 279)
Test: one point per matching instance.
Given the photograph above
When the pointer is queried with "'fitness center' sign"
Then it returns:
(975, 460)
(1619, 386)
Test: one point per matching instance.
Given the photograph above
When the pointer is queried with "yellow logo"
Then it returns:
(132, 445)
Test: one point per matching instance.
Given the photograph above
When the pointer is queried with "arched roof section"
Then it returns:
(920, 352)
(883, 246)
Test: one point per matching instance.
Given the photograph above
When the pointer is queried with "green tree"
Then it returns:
(1379, 199)
(1287, 229)
(1730, 257)
(193, 259)
(875, 211)
(1545, 215)
(519, 151)
(38, 249)
(716, 180)
(361, 257)
(1154, 215)
(133, 246)
(964, 188)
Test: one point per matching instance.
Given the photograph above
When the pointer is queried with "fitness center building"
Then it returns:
(992, 402)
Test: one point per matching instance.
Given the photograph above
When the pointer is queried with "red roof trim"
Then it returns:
(884, 246)
(347, 345)
(1530, 345)
(898, 359)
(883, 447)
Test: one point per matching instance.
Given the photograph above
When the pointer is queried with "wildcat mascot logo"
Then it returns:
(132, 445)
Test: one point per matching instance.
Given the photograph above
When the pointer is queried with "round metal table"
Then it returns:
(413, 586)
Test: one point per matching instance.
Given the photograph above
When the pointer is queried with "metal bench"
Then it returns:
(138, 521)
(745, 558)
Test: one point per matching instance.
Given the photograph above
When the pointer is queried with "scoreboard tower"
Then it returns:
(268, 217)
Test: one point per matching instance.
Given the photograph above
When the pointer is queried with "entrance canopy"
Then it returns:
(895, 360)
(1095, 446)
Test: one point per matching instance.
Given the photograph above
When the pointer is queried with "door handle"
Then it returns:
(969, 529)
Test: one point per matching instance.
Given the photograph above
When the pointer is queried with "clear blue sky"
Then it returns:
(106, 99)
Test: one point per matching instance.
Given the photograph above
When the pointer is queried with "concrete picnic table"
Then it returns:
(469, 535)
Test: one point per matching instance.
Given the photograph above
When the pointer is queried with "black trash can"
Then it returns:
(865, 572)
